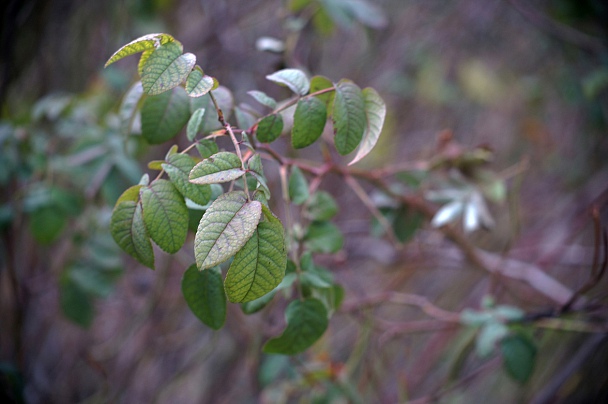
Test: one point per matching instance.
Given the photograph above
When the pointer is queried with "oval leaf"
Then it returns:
(128, 108)
(375, 110)
(221, 167)
(270, 128)
(164, 115)
(308, 122)
(165, 215)
(306, 323)
(178, 167)
(204, 294)
(199, 84)
(260, 265)
(295, 79)
(166, 68)
(348, 116)
(140, 44)
(225, 227)
(519, 354)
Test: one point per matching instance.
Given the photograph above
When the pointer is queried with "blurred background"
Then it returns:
(526, 80)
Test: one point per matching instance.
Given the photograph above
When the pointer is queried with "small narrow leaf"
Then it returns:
(375, 110)
(164, 115)
(263, 99)
(298, 186)
(194, 123)
(270, 128)
(295, 79)
(324, 237)
(199, 84)
(204, 294)
(165, 215)
(166, 68)
(348, 116)
(178, 167)
(128, 229)
(308, 122)
(221, 167)
(306, 323)
(206, 148)
(260, 265)
(519, 354)
(140, 44)
(225, 227)
(128, 107)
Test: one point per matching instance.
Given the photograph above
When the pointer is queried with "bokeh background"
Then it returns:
(526, 79)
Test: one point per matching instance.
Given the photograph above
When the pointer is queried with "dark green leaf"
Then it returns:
(519, 354)
(166, 68)
(308, 122)
(269, 128)
(221, 167)
(178, 167)
(225, 228)
(206, 148)
(306, 323)
(324, 237)
(165, 215)
(263, 99)
(348, 116)
(204, 294)
(318, 83)
(164, 115)
(47, 223)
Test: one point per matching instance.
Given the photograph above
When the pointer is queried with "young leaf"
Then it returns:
(221, 167)
(519, 354)
(269, 128)
(165, 215)
(142, 60)
(263, 99)
(298, 186)
(199, 84)
(128, 229)
(348, 116)
(164, 115)
(128, 107)
(324, 237)
(321, 206)
(140, 44)
(178, 167)
(306, 323)
(260, 265)
(318, 83)
(194, 123)
(204, 294)
(308, 122)
(295, 79)
(375, 110)
(225, 228)
(206, 148)
(166, 68)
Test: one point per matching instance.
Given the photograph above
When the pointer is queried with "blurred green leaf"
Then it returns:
(258, 304)
(308, 122)
(263, 98)
(323, 237)
(519, 355)
(204, 294)
(321, 206)
(298, 186)
(164, 115)
(76, 304)
(270, 128)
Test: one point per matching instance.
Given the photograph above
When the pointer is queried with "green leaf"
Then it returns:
(128, 107)
(47, 223)
(76, 304)
(178, 167)
(269, 128)
(258, 304)
(199, 84)
(140, 44)
(142, 61)
(260, 265)
(207, 148)
(194, 123)
(375, 110)
(306, 323)
(165, 215)
(164, 115)
(298, 186)
(204, 294)
(224, 99)
(295, 79)
(263, 99)
(221, 167)
(318, 83)
(519, 354)
(166, 68)
(308, 122)
(128, 229)
(321, 206)
(323, 237)
(348, 116)
(225, 228)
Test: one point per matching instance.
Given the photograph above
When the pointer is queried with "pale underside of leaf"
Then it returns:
(221, 167)
(375, 110)
(295, 79)
(199, 84)
(128, 107)
(140, 44)
(225, 228)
